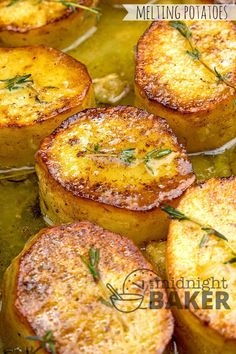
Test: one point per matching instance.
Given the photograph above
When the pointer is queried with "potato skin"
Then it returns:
(208, 331)
(60, 28)
(169, 83)
(49, 287)
(109, 193)
(22, 127)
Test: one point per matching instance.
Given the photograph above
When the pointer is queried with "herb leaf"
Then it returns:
(127, 156)
(46, 341)
(92, 263)
(195, 54)
(204, 241)
(74, 5)
(182, 28)
(154, 155)
(174, 213)
(12, 2)
(70, 4)
(17, 82)
(157, 154)
(211, 231)
(96, 147)
(221, 77)
(231, 261)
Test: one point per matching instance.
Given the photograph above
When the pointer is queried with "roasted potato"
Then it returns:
(192, 87)
(49, 287)
(203, 250)
(39, 88)
(46, 22)
(113, 167)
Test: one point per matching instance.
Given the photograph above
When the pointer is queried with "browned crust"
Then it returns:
(163, 97)
(67, 103)
(178, 186)
(82, 235)
(68, 13)
(199, 314)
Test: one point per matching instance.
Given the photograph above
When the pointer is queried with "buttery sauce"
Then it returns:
(109, 49)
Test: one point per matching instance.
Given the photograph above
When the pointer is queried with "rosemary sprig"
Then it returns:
(175, 214)
(23, 81)
(204, 241)
(128, 156)
(46, 342)
(17, 82)
(231, 261)
(155, 154)
(211, 231)
(195, 53)
(74, 5)
(92, 263)
(69, 4)
(12, 2)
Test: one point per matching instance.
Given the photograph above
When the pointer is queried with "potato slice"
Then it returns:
(49, 287)
(113, 167)
(195, 254)
(171, 83)
(39, 88)
(46, 22)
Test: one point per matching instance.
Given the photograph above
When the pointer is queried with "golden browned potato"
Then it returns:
(186, 73)
(201, 250)
(113, 167)
(45, 22)
(39, 88)
(59, 284)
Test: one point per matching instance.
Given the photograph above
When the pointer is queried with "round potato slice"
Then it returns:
(202, 252)
(113, 167)
(186, 73)
(50, 289)
(39, 88)
(55, 23)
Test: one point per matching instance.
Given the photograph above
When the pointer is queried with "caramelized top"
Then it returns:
(120, 156)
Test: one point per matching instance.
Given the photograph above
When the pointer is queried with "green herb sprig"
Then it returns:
(46, 342)
(92, 262)
(128, 156)
(24, 81)
(175, 214)
(195, 53)
(69, 4)
(92, 265)
(231, 261)
(12, 2)
(17, 82)
(74, 5)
